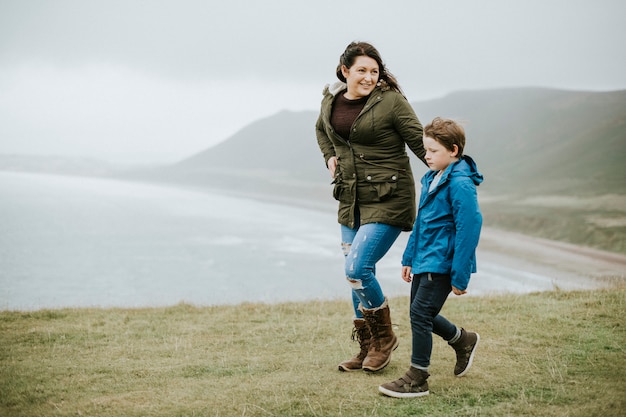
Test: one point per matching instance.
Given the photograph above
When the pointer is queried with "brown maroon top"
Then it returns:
(344, 114)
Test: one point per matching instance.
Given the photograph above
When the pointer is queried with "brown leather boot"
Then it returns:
(360, 333)
(465, 349)
(383, 341)
(412, 384)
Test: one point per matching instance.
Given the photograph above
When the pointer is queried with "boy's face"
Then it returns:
(438, 157)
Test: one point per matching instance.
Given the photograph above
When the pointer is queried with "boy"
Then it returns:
(440, 254)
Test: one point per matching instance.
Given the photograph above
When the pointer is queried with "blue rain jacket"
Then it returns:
(447, 228)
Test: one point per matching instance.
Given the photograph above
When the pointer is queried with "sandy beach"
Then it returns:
(542, 265)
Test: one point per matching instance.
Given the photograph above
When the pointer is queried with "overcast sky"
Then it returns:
(158, 81)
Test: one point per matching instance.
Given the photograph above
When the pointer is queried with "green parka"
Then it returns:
(373, 171)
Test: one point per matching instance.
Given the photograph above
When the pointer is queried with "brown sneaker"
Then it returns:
(465, 349)
(413, 384)
(360, 333)
(383, 340)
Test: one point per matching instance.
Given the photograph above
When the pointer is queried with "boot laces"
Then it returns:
(360, 334)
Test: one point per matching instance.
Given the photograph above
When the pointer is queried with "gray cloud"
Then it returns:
(141, 74)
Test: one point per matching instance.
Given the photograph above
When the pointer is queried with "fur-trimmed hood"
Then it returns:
(334, 88)
(339, 86)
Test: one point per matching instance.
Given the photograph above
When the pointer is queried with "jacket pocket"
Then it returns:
(338, 190)
(341, 189)
(378, 185)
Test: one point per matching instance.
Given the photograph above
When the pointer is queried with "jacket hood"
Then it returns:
(334, 88)
(464, 167)
(339, 86)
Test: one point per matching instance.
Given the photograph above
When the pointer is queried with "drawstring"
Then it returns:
(362, 157)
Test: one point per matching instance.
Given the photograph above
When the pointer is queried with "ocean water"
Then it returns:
(85, 242)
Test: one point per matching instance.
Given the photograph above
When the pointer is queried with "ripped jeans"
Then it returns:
(363, 247)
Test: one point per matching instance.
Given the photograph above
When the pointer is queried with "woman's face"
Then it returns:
(361, 77)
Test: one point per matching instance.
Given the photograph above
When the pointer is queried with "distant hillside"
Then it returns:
(283, 144)
(274, 157)
(526, 141)
(553, 161)
(542, 140)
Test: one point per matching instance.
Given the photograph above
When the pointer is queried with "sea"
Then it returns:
(68, 241)
(72, 242)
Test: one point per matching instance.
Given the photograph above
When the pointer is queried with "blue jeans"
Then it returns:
(428, 294)
(363, 247)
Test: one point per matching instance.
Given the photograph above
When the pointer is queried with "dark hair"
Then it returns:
(448, 133)
(357, 49)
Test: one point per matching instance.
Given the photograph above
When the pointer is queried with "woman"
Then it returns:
(364, 124)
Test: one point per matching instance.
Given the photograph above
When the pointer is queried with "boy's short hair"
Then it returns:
(447, 132)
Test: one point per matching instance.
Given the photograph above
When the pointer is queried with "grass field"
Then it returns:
(544, 354)
(598, 222)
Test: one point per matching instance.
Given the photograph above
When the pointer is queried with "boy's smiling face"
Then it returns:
(438, 157)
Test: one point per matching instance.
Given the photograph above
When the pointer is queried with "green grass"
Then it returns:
(597, 222)
(544, 354)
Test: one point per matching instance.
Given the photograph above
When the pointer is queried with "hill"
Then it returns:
(542, 141)
(526, 141)
(274, 158)
(552, 159)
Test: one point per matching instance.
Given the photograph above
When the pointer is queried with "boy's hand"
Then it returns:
(406, 274)
(456, 291)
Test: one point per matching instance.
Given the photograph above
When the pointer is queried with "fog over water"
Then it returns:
(83, 242)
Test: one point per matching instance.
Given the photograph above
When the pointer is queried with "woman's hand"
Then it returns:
(332, 165)
(456, 291)
(406, 274)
